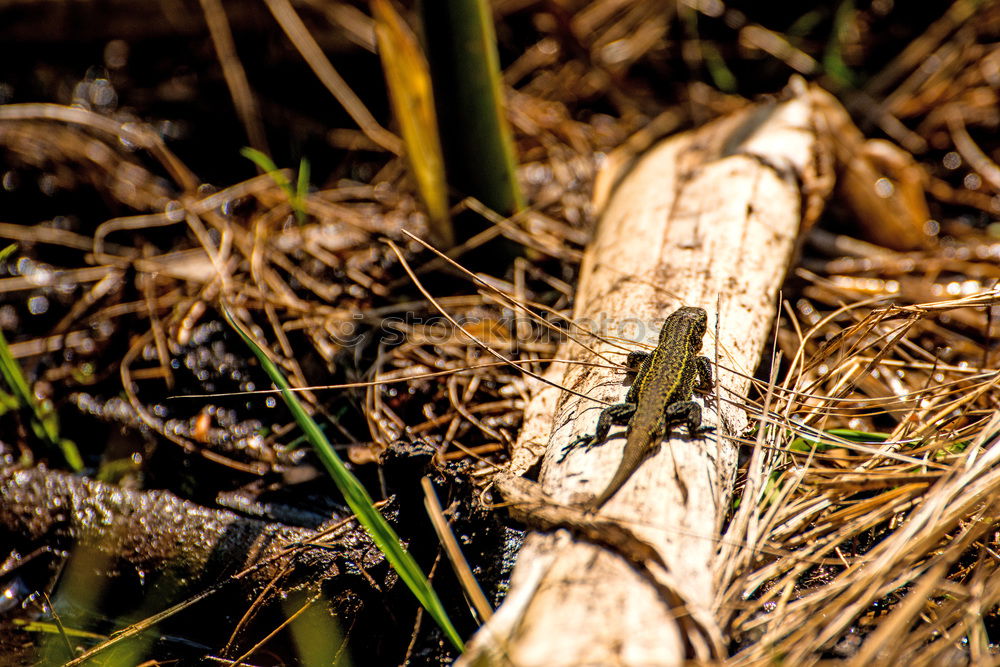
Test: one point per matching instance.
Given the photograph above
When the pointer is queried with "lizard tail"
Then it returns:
(617, 482)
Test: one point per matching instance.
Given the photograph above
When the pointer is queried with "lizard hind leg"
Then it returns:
(688, 413)
(618, 414)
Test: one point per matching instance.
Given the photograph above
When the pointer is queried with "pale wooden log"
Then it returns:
(708, 218)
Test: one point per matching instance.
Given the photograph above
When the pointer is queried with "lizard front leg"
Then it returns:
(638, 363)
(634, 360)
(704, 368)
(618, 414)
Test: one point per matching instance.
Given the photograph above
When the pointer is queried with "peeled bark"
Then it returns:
(708, 218)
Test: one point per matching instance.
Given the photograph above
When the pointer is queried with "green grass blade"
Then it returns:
(267, 165)
(302, 191)
(460, 41)
(722, 76)
(356, 496)
(52, 629)
(714, 63)
(44, 420)
(296, 197)
(833, 57)
(804, 444)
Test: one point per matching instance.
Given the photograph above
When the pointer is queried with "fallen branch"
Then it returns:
(709, 218)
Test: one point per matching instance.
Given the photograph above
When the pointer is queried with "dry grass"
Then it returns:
(893, 541)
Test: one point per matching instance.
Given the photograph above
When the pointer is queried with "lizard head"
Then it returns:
(691, 318)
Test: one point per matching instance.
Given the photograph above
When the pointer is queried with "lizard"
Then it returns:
(659, 398)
